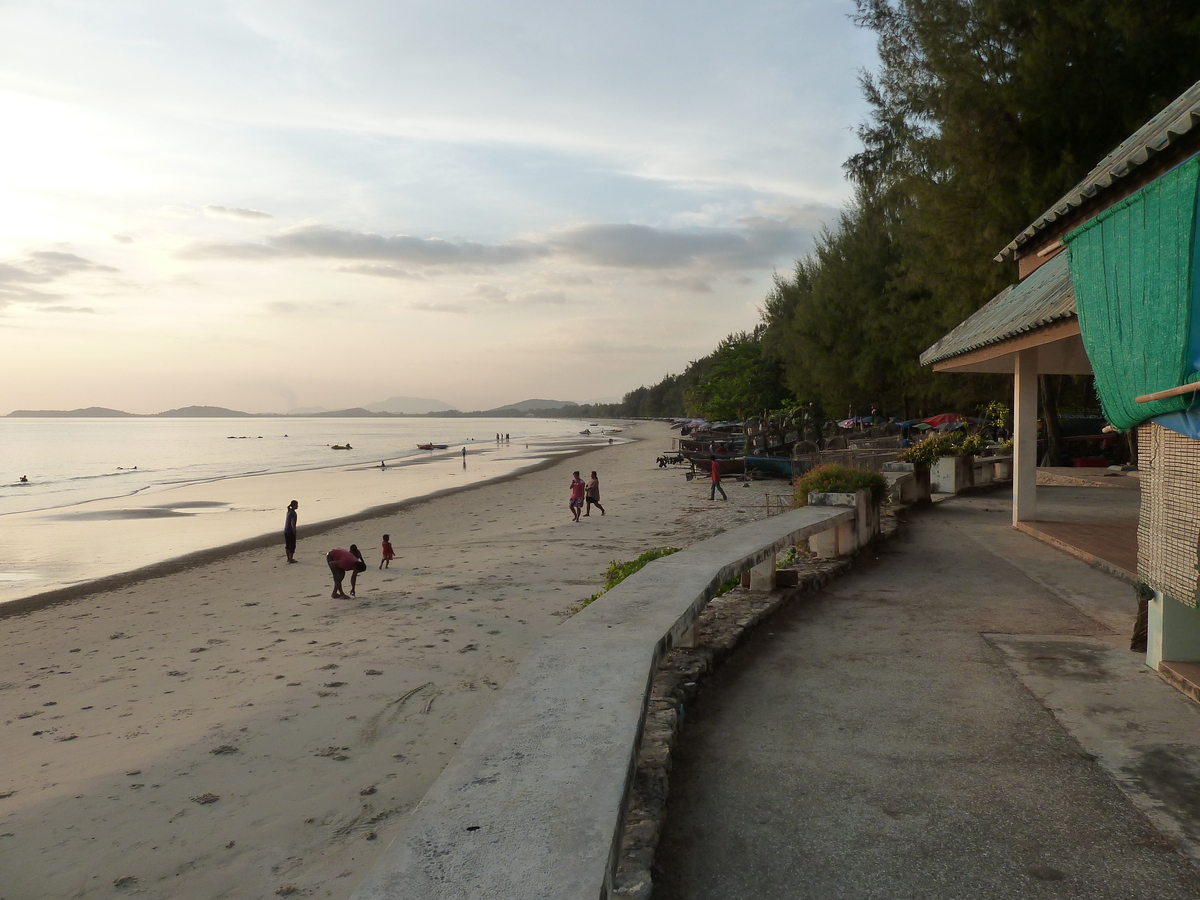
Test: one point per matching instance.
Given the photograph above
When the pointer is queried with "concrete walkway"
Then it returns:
(958, 718)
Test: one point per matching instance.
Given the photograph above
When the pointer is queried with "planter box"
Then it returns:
(983, 470)
(914, 491)
(951, 474)
(1002, 468)
(848, 537)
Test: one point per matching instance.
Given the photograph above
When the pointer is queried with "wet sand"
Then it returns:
(229, 730)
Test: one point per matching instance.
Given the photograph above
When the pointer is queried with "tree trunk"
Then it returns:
(1049, 386)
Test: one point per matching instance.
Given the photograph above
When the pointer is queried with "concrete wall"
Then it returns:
(531, 806)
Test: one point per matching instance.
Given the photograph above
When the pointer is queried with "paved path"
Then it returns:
(958, 718)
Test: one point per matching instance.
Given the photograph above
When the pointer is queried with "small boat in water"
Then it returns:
(432, 446)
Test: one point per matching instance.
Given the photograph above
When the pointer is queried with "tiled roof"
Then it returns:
(1045, 296)
(1178, 119)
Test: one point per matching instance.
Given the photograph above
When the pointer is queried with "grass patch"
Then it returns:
(618, 571)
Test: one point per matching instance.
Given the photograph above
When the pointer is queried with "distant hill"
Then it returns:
(201, 412)
(306, 410)
(409, 406)
(530, 405)
(91, 412)
(357, 413)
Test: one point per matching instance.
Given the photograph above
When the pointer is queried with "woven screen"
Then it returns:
(1169, 523)
(1131, 267)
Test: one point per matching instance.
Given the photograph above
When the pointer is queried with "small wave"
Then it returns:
(104, 475)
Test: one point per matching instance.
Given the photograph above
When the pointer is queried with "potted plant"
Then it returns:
(841, 485)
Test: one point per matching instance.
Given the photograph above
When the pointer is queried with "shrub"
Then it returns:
(837, 479)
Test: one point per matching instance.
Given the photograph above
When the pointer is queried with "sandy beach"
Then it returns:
(229, 730)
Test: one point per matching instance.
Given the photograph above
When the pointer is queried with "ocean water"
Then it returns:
(73, 461)
(108, 496)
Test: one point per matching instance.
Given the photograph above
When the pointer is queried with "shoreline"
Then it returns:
(208, 556)
(250, 492)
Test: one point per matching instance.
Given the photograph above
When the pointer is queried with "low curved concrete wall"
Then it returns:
(530, 808)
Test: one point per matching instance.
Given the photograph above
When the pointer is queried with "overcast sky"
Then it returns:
(268, 204)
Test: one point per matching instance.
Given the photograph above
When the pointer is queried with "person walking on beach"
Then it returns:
(577, 488)
(592, 495)
(716, 481)
(388, 553)
(289, 531)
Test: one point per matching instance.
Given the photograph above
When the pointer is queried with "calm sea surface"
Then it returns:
(107, 496)
(72, 461)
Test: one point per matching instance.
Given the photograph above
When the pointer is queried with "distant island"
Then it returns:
(525, 408)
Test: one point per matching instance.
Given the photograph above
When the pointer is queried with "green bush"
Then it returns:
(839, 479)
(972, 445)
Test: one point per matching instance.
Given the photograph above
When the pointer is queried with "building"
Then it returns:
(1110, 285)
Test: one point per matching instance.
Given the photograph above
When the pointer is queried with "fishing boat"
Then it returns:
(722, 441)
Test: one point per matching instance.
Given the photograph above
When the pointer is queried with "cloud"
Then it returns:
(56, 264)
(68, 309)
(319, 242)
(122, 239)
(42, 267)
(235, 212)
(380, 271)
(753, 243)
(695, 283)
(490, 292)
(758, 242)
(532, 297)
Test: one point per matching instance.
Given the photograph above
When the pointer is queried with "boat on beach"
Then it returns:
(722, 441)
(432, 446)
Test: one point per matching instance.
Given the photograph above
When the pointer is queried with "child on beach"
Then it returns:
(576, 503)
(388, 553)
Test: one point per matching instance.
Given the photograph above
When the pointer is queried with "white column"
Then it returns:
(1025, 397)
(762, 576)
(1173, 632)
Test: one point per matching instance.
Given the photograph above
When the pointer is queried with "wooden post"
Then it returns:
(1025, 397)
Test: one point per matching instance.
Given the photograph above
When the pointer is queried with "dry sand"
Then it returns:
(229, 730)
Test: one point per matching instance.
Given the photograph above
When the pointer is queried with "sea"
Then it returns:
(105, 496)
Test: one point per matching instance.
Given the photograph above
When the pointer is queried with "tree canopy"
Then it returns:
(983, 114)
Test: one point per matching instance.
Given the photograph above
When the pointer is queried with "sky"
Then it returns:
(271, 204)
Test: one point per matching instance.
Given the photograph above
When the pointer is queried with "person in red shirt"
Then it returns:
(576, 503)
(343, 561)
(716, 481)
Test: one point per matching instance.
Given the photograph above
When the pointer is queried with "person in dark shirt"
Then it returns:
(289, 531)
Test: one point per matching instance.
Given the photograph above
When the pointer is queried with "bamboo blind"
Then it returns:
(1169, 522)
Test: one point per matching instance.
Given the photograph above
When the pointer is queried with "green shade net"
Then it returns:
(1131, 268)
